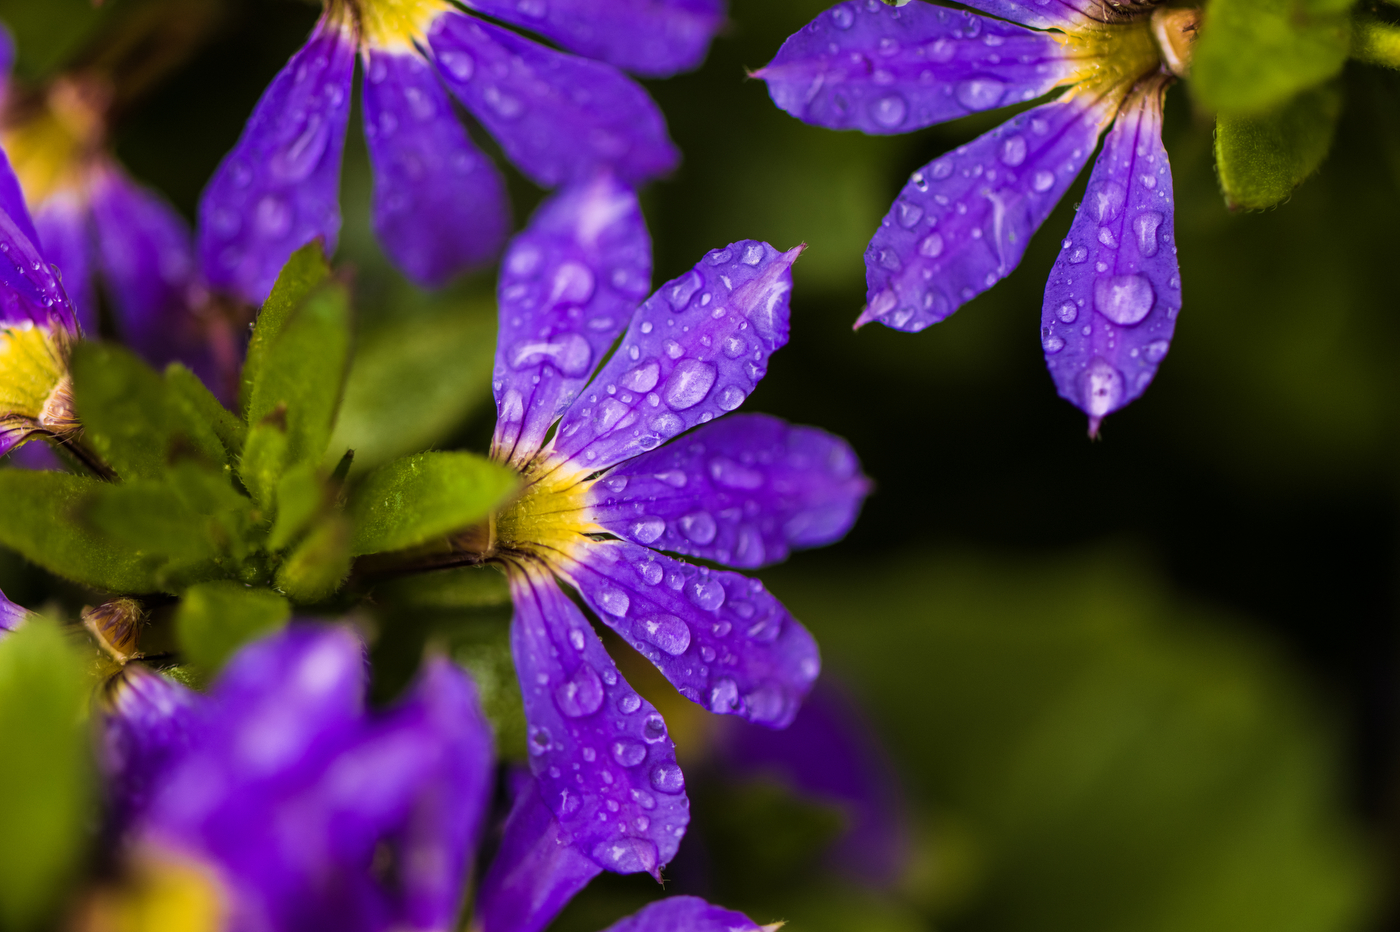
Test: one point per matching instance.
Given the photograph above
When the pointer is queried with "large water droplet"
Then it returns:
(706, 594)
(667, 778)
(1067, 312)
(1156, 351)
(931, 246)
(540, 740)
(608, 414)
(573, 283)
(1042, 181)
(689, 384)
(667, 632)
(654, 728)
(643, 378)
(1145, 226)
(724, 696)
(614, 601)
(646, 530)
(581, 694)
(1107, 200)
(1102, 387)
(629, 753)
(889, 111)
(576, 638)
(699, 527)
(842, 17)
(1013, 151)
(507, 107)
(629, 703)
(299, 159)
(680, 293)
(1052, 344)
(272, 216)
(569, 353)
(1124, 299)
(980, 93)
(909, 214)
(457, 63)
(732, 475)
(731, 397)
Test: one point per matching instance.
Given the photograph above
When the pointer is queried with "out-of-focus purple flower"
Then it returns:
(828, 753)
(278, 803)
(604, 491)
(11, 615)
(687, 914)
(962, 222)
(96, 225)
(439, 205)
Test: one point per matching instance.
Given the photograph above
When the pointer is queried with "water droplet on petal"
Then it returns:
(980, 93)
(1145, 226)
(724, 696)
(667, 632)
(646, 530)
(629, 703)
(707, 594)
(689, 384)
(614, 601)
(581, 694)
(1156, 351)
(1013, 151)
(842, 17)
(643, 378)
(889, 111)
(667, 778)
(458, 64)
(540, 740)
(629, 753)
(1124, 299)
(699, 527)
(576, 639)
(654, 728)
(1102, 387)
(1067, 312)
(909, 214)
(931, 246)
(1042, 181)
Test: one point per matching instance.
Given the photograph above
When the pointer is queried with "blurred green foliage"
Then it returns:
(46, 792)
(1261, 159)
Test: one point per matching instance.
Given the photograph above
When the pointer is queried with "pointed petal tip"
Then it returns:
(774, 926)
(864, 318)
(1094, 423)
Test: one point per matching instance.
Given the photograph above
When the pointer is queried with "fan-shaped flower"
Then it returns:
(439, 204)
(962, 222)
(603, 496)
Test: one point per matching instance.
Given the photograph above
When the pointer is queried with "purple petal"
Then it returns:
(279, 187)
(684, 914)
(568, 286)
(439, 204)
(884, 69)
(12, 435)
(536, 871)
(742, 491)
(722, 639)
(66, 238)
(962, 222)
(1114, 293)
(148, 265)
(11, 615)
(649, 37)
(829, 752)
(605, 764)
(559, 117)
(29, 288)
(12, 199)
(293, 795)
(149, 725)
(1068, 15)
(694, 351)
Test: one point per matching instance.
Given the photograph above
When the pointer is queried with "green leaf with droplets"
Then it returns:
(1253, 55)
(1262, 159)
(46, 791)
(216, 618)
(421, 497)
(302, 372)
(303, 273)
(39, 520)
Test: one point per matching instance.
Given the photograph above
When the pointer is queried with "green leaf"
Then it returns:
(303, 371)
(427, 495)
(1254, 55)
(416, 380)
(131, 417)
(40, 520)
(46, 798)
(1261, 159)
(1375, 41)
(192, 394)
(149, 517)
(459, 587)
(263, 462)
(318, 565)
(216, 618)
(300, 495)
(304, 271)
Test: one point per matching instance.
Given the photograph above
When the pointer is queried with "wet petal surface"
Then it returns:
(648, 37)
(742, 491)
(684, 914)
(962, 222)
(536, 870)
(568, 286)
(1069, 15)
(279, 187)
(694, 351)
(30, 290)
(1115, 290)
(558, 117)
(63, 224)
(601, 753)
(440, 205)
(884, 69)
(722, 639)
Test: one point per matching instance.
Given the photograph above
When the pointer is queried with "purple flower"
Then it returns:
(38, 325)
(962, 222)
(604, 491)
(439, 205)
(278, 803)
(96, 225)
(11, 615)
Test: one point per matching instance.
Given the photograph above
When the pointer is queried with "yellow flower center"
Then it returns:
(395, 25)
(33, 370)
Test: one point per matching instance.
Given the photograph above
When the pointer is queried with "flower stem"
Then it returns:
(1375, 41)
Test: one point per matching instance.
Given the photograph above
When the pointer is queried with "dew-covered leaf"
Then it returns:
(304, 271)
(1262, 159)
(218, 617)
(419, 497)
(45, 784)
